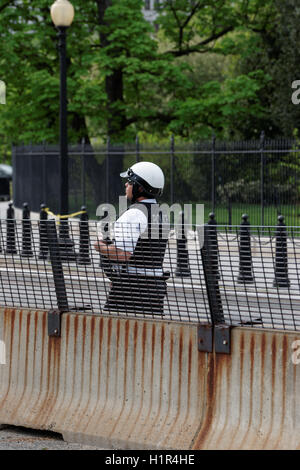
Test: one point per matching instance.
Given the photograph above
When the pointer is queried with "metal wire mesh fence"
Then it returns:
(259, 177)
(40, 270)
(258, 276)
(238, 275)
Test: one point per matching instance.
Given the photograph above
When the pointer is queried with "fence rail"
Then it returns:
(259, 177)
(237, 275)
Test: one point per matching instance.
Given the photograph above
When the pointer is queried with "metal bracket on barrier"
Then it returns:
(215, 338)
(222, 337)
(205, 338)
(54, 319)
(54, 323)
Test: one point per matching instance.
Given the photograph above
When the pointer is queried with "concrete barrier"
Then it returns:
(142, 384)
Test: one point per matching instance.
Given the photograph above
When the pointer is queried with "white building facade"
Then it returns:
(149, 10)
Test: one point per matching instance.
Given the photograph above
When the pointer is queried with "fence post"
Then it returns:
(172, 168)
(208, 253)
(213, 237)
(245, 255)
(56, 264)
(281, 256)
(43, 233)
(213, 169)
(14, 162)
(44, 171)
(137, 149)
(107, 170)
(10, 231)
(183, 264)
(262, 176)
(84, 238)
(83, 186)
(26, 232)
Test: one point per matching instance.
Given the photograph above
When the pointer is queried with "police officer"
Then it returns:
(137, 253)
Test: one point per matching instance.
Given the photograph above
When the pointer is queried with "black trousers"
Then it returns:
(136, 294)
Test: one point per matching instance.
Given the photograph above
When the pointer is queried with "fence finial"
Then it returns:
(262, 139)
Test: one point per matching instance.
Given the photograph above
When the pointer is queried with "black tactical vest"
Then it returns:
(150, 249)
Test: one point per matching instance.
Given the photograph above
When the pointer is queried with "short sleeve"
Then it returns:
(128, 228)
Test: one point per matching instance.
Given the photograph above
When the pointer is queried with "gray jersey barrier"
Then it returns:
(141, 384)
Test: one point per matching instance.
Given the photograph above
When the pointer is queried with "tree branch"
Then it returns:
(197, 47)
(181, 27)
(6, 5)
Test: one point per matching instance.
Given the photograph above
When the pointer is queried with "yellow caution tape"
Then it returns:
(58, 216)
(48, 211)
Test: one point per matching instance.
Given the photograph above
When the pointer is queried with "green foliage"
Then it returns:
(199, 74)
(192, 26)
(219, 106)
(274, 48)
(29, 66)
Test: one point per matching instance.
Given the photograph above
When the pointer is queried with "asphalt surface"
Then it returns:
(28, 282)
(18, 438)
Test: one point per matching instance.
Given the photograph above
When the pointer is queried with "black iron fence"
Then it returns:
(233, 276)
(259, 177)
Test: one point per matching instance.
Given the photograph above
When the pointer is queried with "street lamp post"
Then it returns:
(62, 14)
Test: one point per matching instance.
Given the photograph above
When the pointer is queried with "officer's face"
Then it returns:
(128, 190)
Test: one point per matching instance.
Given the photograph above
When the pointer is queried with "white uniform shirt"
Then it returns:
(127, 230)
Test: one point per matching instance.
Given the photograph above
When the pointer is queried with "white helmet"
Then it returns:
(148, 175)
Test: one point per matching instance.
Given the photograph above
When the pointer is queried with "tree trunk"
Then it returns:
(116, 124)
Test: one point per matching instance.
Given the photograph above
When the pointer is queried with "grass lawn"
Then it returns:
(291, 214)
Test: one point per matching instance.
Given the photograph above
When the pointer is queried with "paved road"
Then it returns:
(31, 285)
(18, 438)
(29, 282)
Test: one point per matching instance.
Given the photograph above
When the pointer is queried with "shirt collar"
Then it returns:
(148, 201)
